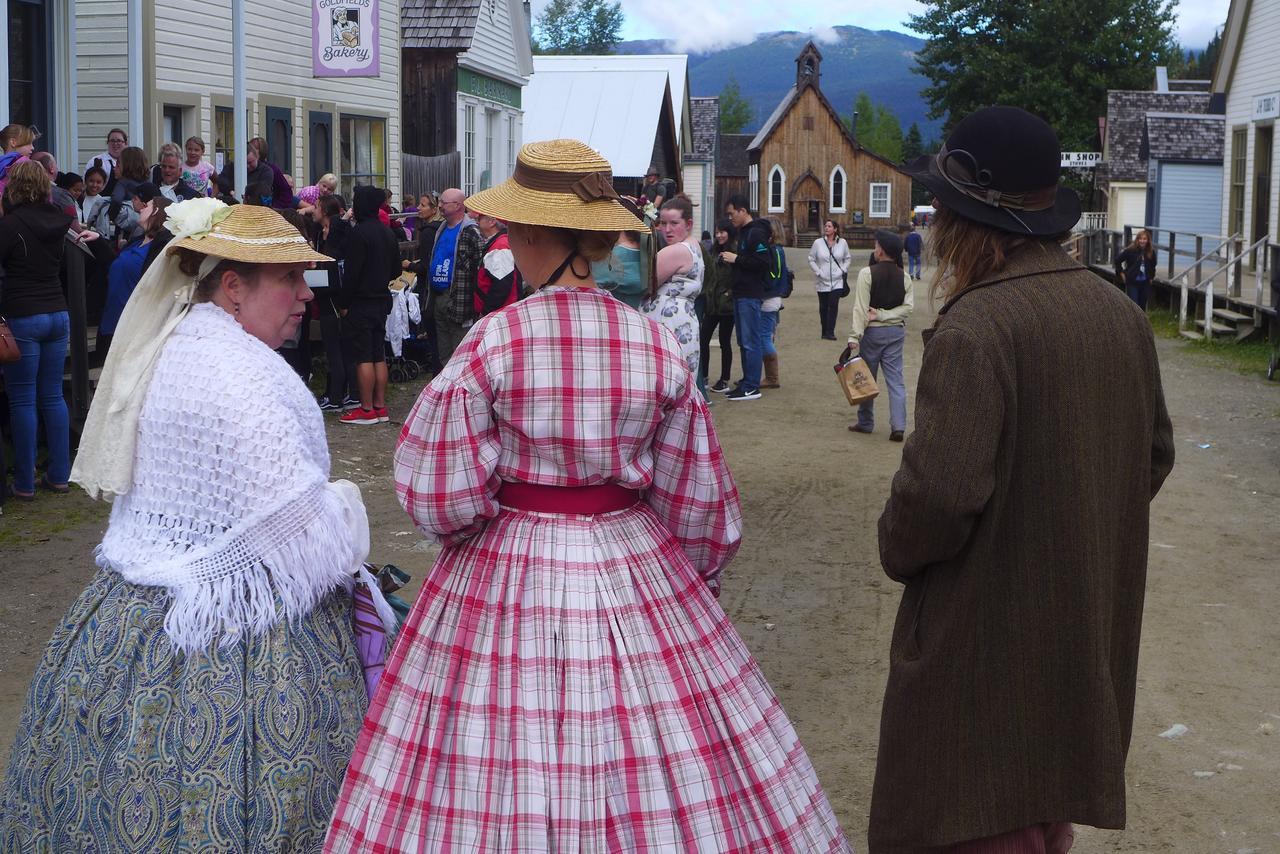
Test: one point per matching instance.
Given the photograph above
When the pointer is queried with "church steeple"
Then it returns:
(808, 67)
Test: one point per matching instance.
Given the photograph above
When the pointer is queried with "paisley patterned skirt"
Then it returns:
(127, 745)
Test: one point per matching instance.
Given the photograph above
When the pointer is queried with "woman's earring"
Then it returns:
(237, 309)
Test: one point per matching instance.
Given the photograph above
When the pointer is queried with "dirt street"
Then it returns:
(808, 595)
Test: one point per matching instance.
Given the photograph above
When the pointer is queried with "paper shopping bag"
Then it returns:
(856, 380)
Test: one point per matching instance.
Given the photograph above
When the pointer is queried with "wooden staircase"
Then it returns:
(1226, 324)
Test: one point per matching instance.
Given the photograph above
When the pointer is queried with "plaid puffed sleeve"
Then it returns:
(692, 490)
(446, 460)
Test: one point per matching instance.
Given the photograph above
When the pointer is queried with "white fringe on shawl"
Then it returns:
(308, 547)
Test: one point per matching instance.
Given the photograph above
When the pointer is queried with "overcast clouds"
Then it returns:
(694, 25)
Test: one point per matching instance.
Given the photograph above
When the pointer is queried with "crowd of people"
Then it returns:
(566, 679)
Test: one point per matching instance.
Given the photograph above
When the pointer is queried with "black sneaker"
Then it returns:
(741, 393)
(721, 387)
(326, 405)
(350, 403)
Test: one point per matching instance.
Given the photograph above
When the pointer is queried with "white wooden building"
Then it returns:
(177, 63)
(1247, 83)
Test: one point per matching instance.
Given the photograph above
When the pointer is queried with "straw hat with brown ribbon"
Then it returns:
(246, 233)
(561, 183)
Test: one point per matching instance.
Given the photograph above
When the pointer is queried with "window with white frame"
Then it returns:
(469, 149)
(490, 149)
(839, 189)
(753, 186)
(879, 201)
(777, 192)
(511, 145)
(363, 155)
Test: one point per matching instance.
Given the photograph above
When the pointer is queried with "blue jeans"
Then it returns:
(750, 326)
(1138, 292)
(768, 326)
(35, 382)
(913, 265)
(881, 346)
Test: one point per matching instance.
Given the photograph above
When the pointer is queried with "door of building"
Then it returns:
(280, 137)
(1262, 181)
(319, 144)
(815, 217)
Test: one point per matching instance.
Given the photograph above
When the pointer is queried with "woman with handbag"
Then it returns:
(829, 260)
(341, 393)
(205, 690)
(32, 236)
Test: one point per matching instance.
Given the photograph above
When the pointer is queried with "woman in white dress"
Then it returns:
(679, 270)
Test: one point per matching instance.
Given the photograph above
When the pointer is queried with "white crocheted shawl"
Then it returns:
(230, 508)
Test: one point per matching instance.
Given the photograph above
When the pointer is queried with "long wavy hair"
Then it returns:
(968, 252)
(1150, 251)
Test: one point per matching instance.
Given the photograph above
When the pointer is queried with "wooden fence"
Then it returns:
(419, 174)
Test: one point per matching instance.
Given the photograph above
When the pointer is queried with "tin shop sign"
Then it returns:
(344, 38)
(1266, 107)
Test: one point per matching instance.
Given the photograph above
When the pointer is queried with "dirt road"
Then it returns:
(808, 595)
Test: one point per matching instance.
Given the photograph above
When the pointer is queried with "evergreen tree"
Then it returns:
(579, 27)
(912, 143)
(1056, 60)
(1202, 64)
(735, 112)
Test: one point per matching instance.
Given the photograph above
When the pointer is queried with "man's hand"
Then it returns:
(871, 314)
(729, 257)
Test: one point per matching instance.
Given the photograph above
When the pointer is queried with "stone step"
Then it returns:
(1194, 336)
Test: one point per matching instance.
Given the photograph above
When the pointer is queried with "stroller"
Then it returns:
(405, 317)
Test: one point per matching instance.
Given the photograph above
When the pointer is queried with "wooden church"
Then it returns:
(804, 166)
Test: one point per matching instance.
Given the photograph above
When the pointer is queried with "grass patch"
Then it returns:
(26, 524)
(1247, 357)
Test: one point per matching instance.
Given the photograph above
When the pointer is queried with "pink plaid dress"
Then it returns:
(568, 682)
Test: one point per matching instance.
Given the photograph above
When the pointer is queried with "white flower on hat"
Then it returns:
(195, 218)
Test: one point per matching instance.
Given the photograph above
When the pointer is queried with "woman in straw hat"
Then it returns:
(204, 692)
(567, 680)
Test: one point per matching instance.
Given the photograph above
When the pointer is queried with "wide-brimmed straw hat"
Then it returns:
(1001, 167)
(248, 233)
(561, 183)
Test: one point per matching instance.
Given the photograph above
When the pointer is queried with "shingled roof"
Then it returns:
(732, 160)
(1175, 136)
(438, 24)
(705, 113)
(1126, 126)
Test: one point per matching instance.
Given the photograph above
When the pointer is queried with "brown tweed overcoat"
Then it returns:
(1018, 523)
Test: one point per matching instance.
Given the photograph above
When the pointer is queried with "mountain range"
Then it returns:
(878, 62)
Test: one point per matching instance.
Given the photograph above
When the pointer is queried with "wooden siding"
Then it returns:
(428, 102)
(102, 74)
(807, 158)
(193, 54)
(1256, 72)
(493, 48)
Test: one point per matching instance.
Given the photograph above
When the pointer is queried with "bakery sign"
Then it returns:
(344, 38)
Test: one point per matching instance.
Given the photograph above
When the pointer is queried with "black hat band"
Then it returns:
(973, 181)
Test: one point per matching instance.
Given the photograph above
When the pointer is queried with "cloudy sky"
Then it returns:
(702, 24)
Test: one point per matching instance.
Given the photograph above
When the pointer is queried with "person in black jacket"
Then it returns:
(750, 266)
(33, 232)
(1136, 268)
(341, 392)
(372, 261)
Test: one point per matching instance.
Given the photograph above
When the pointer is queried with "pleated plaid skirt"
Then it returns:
(569, 684)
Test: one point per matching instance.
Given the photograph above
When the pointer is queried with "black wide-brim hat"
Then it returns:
(1001, 167)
